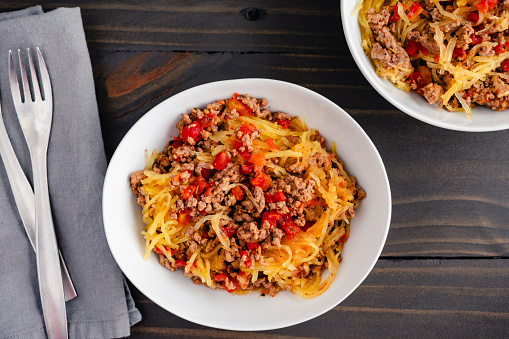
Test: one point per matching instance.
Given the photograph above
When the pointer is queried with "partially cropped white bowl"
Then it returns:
(483, 119)
(216, 308)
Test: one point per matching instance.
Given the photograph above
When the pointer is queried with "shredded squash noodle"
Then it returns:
(247, 199)
(458, 51)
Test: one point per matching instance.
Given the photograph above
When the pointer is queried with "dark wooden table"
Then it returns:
(444, 271)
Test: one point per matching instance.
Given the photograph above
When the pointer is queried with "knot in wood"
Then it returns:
(253, 14)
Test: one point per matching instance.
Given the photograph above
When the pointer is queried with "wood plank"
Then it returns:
(405, 298)
(305, 26)
(450, 197)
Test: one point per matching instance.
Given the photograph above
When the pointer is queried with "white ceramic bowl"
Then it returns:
(216, 308)
(483, 119)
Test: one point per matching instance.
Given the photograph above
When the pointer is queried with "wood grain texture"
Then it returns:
(422, 298)
(207, 25)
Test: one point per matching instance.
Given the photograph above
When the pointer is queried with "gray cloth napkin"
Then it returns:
(76, 167)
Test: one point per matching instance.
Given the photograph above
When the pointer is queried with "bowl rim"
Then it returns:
(385, 225)
(376, 82)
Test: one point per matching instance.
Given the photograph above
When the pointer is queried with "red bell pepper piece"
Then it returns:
(222, 159)
(242, 109)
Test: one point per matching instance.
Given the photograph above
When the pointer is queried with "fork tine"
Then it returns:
(33, 74)
(45, 79)
(13, 79)
(24, 80)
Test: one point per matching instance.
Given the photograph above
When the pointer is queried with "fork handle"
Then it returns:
(24, 198)
(48, 268)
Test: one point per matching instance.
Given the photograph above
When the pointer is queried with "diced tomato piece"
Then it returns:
(501, 48)
(220, 277)
(307, 225)
(258, 159)
(177, 142)
(222, 159)
(207, 120)
(262, 180)
(459, 53)
(180, 263)
(269, 198)
(412, 47)
(247, 129)
(205, 172)
(279, 196)
(505, 66)
(288, 225)
(244, 153)
(418, 79)
(271, 215)
(422, 49)
(208, 189)
(484, 5)
(252, 246)
(193, 131)
(245, 255)
(436, 57)
(271, 143)
(200, 184)
(475, 39)
(184, 217)
(238, 193)
(233, 103)
(426, 76)
(313, 202)
(473, 16)
(395, 17)
(228, 230)
(414, 11)
(283, 123)
(235, 286)
(188, 191)
(341, 238)
(158, 251)
(246, 169)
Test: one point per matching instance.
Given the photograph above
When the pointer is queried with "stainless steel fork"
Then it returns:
(35, 117)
